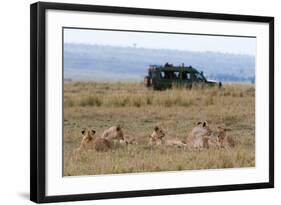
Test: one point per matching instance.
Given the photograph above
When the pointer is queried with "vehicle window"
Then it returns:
(162, 74)
(186, 76)
(176, 75)
(199, 76)
(171, 75)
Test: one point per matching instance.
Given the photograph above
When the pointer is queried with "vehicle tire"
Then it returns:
(147, 81)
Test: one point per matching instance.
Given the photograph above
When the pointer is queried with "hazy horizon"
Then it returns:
(182, 42)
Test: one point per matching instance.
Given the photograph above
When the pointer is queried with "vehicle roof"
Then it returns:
(174, 68)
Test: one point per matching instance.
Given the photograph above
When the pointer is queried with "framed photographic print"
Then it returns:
(129, 102)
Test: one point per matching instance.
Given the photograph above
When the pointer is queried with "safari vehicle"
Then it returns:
(167, 76)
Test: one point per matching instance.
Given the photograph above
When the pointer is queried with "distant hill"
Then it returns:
(108, 63)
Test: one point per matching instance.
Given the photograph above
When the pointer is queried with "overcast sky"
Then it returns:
(237, 45)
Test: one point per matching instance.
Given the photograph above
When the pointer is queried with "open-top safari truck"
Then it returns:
(168, 76)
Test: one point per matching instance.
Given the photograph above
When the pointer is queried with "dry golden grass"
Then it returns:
(138, 109)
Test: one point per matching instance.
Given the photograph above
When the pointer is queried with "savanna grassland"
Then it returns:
(139, 109)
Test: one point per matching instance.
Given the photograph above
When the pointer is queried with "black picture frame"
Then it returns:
(38, 101)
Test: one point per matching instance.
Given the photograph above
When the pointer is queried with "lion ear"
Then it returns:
(205, 124)
(83, 131)
(118, 128)
(199, 123)
(93, 131)
(156, 128)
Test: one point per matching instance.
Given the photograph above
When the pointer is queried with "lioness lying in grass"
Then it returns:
(158, 137)
(89, 141)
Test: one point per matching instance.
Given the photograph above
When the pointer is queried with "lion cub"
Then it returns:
(157, 138)
(222, 136)
(89, 141)
(113, 133)
(199, 136)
